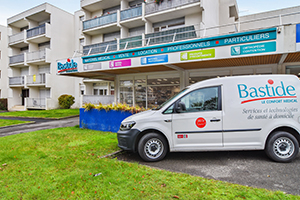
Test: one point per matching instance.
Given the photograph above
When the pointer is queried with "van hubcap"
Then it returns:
(283, 147)
(153, 148)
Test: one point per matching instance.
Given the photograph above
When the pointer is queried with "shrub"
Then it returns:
(65, 101)
(119, 106)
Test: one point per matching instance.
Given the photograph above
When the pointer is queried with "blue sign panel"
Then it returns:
(253, 48)
(238, 38)
(154, 59)
(298, 33)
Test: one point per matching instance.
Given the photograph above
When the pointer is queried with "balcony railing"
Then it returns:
(16, 37)
(18, 80)
(100, 21)
(36, 103)
(131, 13)
(36, 55)
(167, 4)
(36, 79)
(16, 59)
(171, 35)
(39, 30)
(100, 47)
(131, 42)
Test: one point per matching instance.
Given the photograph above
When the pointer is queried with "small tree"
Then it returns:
(65, 101)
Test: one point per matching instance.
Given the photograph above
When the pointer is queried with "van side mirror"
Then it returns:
(180, 107)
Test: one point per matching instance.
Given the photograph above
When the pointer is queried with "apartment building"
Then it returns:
(3, 62)
(150, 50)
(37, 38)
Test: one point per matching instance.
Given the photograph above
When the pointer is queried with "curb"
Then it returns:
(111, 154)
(17, 125)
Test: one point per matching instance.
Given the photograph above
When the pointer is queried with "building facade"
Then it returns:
(139, 52)
(3, 62)
(37, 38)
(151, 50)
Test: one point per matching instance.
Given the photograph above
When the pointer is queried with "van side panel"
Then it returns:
(253, 107)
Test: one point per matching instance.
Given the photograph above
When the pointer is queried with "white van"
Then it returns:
(222, 114)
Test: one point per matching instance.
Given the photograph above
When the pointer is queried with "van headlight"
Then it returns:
(126, 126)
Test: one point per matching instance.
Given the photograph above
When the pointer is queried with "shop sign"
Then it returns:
(297, 37)
(120, 63)
(195, 55)
(253, 48)
(154, 59)
(237, 38)
(67, 66)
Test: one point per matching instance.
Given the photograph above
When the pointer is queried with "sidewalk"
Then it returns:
(40, 124)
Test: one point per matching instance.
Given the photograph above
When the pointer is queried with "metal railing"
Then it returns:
(36, 79)
(131, 13)
(18, 80)
(100, 47)
(100, 21)
(166, 4)
(16, 37)
(201, 31)
(39, 30)
(36, 103)
(36, 55)
(16, 59)
(96, 99)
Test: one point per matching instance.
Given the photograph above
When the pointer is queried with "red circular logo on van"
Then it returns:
(200, 122)
(270, 81)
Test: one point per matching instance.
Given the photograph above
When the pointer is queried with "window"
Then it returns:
(205, 99)
(169, 24)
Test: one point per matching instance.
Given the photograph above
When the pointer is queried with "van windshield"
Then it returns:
(173, 97)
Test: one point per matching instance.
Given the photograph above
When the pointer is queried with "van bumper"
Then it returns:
(126, 139)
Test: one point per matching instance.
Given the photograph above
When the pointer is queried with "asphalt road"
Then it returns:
(250, 168)
(38, 124)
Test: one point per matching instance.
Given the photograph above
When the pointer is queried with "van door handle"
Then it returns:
(168, 120)
(215, 120)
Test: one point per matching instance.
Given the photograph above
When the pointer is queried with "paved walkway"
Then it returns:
(40, 124)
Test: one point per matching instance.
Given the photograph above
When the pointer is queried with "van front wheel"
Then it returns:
(282, 147)
(152, 147)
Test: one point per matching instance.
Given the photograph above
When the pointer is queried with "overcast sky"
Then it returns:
(9, 8)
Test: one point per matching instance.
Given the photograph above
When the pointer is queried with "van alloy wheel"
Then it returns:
(152, 147)
(282, 146)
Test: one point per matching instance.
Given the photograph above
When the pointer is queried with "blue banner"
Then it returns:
(154, 59)
(253, 48)
(237, 38)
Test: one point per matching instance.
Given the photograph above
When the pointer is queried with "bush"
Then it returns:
(65, 101)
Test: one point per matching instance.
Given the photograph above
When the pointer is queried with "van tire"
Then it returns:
(152, 147)
(282, 147)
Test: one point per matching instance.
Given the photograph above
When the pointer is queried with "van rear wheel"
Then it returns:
(282, 147)
(152, 147)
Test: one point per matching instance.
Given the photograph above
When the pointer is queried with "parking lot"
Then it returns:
(251, 168)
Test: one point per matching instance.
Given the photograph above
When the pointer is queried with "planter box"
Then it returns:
(101, 120)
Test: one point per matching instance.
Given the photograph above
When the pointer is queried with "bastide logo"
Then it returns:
(69, 66)
(270, 90)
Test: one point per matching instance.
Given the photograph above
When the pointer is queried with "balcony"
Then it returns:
(131, 42)
(39, 34)
(131, 13)
(95, 5)
(132, 17)
(100, 47)
(38, 57)
(155, 12)
(17, 40)
(17, 60)
(103, 24)
(17, 81)
(36, 80)
(36, 103)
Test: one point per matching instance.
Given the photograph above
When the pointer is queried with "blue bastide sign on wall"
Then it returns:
(238, 38)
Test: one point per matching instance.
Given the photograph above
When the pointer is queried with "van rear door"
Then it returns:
(197, 120)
